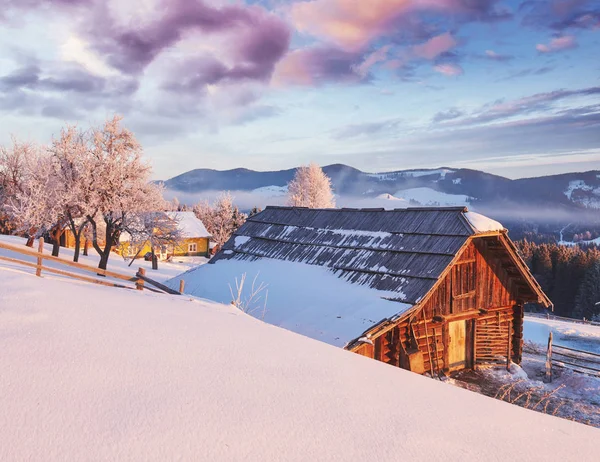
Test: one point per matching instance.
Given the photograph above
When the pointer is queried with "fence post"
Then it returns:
(181, 285)
(38, 271)
(508, 353)
(139, 285)
(549, 360)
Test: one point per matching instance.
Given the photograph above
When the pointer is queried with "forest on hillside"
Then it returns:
(570, 276)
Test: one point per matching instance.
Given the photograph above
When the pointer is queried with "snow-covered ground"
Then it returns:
(166, 270)
(579, 336)
(95, 373)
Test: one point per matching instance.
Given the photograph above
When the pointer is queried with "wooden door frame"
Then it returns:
(469, 341)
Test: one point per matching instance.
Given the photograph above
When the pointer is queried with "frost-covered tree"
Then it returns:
(311, 188)
(121, 186)
(16, 170)
(221, 219)
(33, 201)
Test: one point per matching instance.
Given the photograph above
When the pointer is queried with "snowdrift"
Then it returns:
(107, 374)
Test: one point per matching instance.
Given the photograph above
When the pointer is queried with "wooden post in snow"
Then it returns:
(549, 360)
(181, 285)
(38, 271)
(139, 285)
(508, 352)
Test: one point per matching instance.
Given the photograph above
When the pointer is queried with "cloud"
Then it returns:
(367, 128)
(493, 56)
(448, 69)
(353, 25)
(565, 42)
(452, 113)
(560, 15)
(175, 51)
(522, 106)
(318, 65)
(528, 71)
(435, 46)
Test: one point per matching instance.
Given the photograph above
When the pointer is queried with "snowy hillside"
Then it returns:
(94, 373)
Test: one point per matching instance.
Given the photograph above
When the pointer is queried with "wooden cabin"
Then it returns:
(456, 278)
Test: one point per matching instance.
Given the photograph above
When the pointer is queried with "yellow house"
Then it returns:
(195, 236)
(195, 242)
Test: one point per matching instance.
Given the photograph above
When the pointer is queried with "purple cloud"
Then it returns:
(506, 109)
(321, 64)
(562, 14)
(261, 39)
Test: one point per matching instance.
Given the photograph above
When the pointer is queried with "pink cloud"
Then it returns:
(564, 42)
(435, 46)
(353, 24)
(448, 69)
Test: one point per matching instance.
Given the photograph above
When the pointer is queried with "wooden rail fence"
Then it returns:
(561, 356)
(139, 279)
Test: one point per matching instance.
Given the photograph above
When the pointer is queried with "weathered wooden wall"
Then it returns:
(477, 288)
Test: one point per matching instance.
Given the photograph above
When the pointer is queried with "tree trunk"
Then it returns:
(30, 241)
(77, 245)
(154, 260)
(55, 247)
(104, 259)
(85, 247)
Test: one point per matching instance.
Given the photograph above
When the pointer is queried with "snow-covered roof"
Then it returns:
(97, 373)
(189, 224)
(306, 299)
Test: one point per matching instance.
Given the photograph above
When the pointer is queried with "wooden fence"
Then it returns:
(561, 356)
(139, 280)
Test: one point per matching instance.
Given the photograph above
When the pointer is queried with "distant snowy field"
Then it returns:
(572, 335)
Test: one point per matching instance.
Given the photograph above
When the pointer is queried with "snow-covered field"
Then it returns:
(166, 270)
(95, 373)
(572, 335)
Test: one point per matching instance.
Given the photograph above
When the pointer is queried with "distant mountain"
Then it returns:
(441, 186)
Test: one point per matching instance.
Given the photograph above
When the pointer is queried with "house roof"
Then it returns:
(376, 255)
(400, 252)
(190, 225)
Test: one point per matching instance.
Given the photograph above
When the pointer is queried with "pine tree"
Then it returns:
(587, 303)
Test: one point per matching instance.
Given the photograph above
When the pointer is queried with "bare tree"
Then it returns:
(311, 188)
(221, 219)
(156, 229)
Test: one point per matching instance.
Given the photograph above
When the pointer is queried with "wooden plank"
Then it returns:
(578, 351)
(578, 358)
(576, 365)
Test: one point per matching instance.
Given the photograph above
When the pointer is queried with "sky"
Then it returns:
(509, 87)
